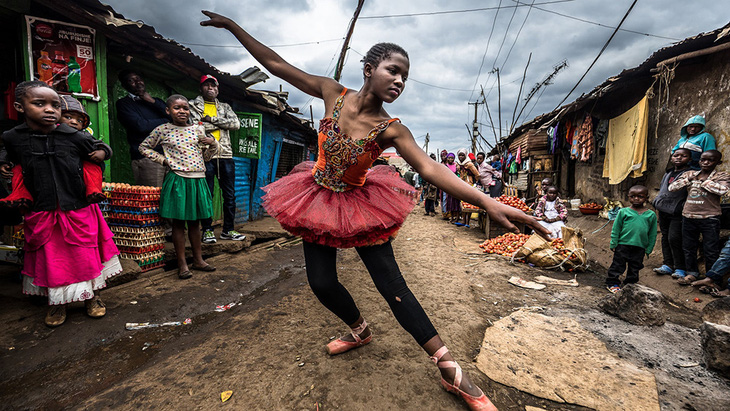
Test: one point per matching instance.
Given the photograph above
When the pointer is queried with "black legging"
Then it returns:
(379, 259)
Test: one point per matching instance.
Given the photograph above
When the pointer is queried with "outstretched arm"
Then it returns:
(317, 86)
(401, 138)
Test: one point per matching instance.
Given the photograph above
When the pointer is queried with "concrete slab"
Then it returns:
(557, 359)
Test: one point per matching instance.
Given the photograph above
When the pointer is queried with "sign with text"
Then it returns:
(246, 141)
(62, 55)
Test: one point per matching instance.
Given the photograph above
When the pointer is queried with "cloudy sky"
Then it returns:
(454, 48)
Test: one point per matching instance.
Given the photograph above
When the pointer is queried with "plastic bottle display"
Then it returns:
(74, 75)
(60, 72)
(45, 71)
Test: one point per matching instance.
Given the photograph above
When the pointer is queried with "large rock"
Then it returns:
(557, 359)
(716, 347)
(717, 311)
(637, 304)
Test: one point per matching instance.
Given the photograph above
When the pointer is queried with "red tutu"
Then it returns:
(362, 216)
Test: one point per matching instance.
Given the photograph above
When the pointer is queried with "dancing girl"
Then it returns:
(341, 202)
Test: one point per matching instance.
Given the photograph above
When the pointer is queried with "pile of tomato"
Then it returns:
(559, 245)
(468, 206)
(513, 202)
(592, 206)
(505, 245)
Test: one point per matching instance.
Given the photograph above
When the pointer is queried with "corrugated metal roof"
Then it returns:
(138, 35)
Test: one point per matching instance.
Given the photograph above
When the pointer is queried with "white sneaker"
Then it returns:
(232, 235)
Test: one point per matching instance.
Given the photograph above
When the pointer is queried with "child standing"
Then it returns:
(633, 235)
(336, 203)
(69, 252)
(669, 205)
(185, 197)
(551, 212)
(431, 194)
(694, 138)
(701, 212)
(74, 115)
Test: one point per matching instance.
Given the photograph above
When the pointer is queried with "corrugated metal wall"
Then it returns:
(271, 141)
(243, 188)
(262, 171)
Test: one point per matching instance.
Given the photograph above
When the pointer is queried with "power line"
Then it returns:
(433, 13)
(438, 87)
(484, 56)
(596, 23)
(599, 53)
(274, 46)
(518, 35)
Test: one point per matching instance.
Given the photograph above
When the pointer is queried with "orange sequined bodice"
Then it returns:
(342, 162)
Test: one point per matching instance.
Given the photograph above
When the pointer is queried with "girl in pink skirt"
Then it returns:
(69, 252)
(341, 201)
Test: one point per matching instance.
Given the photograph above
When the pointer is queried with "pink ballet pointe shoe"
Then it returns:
(339, 345)
(480, 403)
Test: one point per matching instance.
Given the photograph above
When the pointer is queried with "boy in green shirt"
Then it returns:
(632, 236)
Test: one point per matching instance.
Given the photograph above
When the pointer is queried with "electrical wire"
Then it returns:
(484, 56)
(517, 36)
(599, 53)
(433, 13)
(274, 46)
(596, 23)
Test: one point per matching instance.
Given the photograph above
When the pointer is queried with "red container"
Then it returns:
(590, 211)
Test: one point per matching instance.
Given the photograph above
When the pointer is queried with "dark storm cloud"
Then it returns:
(445, 50)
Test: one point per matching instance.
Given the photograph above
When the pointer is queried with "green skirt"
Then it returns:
(185, 198)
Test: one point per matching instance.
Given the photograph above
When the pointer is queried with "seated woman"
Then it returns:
(551, 212)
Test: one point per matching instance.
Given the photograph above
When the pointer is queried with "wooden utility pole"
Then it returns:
(425, 146)
(475, 126)
(499, 103)
(519, 95)
(343, 52)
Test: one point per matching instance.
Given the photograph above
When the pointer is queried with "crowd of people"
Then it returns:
(473, 170)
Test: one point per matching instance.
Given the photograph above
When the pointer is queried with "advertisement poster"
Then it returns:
(246, 141)
(62, 55)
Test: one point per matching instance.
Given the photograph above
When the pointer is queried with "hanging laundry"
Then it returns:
(626, 145)
(574, 147)
(550, 137)
(518, 158)
(585, 139)
(601, 133)
(556, 139)
(569, 132)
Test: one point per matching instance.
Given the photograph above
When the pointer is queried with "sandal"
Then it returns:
(207, 268)
(708, 289)
(339, 345)
(715, 293)
(687, 280)
(480, 403)
(184, 275)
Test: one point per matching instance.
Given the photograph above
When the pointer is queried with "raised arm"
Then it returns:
(317, 86)
(398, 136)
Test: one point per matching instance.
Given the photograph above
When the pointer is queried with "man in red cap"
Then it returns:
(218, 119)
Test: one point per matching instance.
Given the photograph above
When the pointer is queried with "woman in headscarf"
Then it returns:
(466, 170)
(452, 205)
(441, 193)
(469, 174)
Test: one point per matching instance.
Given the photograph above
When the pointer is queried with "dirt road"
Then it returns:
(269, 350)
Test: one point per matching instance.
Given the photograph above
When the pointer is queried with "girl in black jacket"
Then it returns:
(69, 252)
